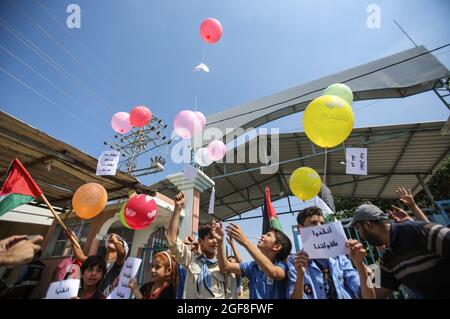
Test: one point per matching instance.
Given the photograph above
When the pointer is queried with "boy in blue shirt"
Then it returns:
(267, 274)
(329, 278)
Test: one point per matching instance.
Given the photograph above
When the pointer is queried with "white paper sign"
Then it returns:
(107, 163)
(65, 289)
(129, 271)
(324, 241)
(356, 161)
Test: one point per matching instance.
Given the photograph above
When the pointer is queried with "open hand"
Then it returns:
(406, 197)
(398, 214)
(235, 232)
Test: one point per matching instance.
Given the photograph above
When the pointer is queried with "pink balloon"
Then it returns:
(140, 211)
(211, 30)
(187, 124)
(140, 116)
(216, 150)
(120, 122)
(202, 119)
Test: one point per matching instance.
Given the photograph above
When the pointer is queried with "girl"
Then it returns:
(164, 277)
(93, 270)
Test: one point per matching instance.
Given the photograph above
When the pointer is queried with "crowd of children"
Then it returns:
(416, 253)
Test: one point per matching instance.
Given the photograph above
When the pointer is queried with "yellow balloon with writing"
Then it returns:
(305, 183)
(328, 121)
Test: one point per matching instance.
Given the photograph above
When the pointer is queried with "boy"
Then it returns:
(267, 273)
(203, 277)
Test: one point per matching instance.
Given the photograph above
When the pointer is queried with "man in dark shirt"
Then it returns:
(417, 253)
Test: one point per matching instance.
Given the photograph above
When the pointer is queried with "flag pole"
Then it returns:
(60, 222)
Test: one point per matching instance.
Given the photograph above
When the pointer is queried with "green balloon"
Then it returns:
(341, 90)
(122, 216)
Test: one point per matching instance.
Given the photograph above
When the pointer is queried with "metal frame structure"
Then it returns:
(399, 156)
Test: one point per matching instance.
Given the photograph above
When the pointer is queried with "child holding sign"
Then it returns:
(268, 272)
(327, 278)
(164, 279)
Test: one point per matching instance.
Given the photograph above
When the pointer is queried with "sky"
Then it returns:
(69, 82)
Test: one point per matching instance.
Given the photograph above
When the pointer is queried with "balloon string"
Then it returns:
(325, 169)
(204, 54)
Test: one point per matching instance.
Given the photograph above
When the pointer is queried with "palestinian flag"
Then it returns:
(19, 188)
(270, 219)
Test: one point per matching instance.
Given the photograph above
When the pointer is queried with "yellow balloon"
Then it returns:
(328, 120)
(305, 183)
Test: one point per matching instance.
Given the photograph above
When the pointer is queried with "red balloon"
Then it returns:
(211, 30)
(140, 211)
(140, 116)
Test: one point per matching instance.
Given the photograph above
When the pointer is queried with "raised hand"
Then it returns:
(21, 252)
(179, 201)
(235, 232)
(301, 260)
(217, 231)
(398, 214)
(406, 197)
(357, 251)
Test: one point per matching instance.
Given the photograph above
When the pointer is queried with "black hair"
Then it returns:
(204, 230)
(284, 241)
(93, 261)
(308, 212)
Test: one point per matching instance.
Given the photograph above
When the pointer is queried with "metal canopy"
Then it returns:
(403, 74)
(398, 156)
(58, 168)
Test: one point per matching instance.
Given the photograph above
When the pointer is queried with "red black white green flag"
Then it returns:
(270, 219)
(19, 188)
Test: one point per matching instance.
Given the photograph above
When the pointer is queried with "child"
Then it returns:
(203, 277)
(163, 282)
(233, 280)
(93, 271)
(267, 273)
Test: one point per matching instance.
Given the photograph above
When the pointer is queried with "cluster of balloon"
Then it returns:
(123, 122)
(122, 216)
(305, 183)
(140, 211)
(89, 200)
(211, 30)
(188, 123)
(328, 120)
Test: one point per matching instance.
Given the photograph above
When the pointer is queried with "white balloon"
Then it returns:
(202, 158)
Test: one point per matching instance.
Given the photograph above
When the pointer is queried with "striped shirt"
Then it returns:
(418, 257)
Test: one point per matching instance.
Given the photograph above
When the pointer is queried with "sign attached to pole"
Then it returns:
(107, 163)
(356, 161)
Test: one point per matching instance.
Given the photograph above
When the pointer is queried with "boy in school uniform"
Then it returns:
(203, 279)
(267, 273)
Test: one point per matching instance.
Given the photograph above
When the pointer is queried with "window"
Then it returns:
(61, 244)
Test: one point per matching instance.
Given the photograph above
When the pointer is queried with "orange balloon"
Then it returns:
(89, 200)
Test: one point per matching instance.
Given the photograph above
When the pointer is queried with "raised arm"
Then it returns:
(224, 265)
(274, 272)
(236, 253)
(407, 199)
(357, 254)
(77, 251)
(172, 232)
